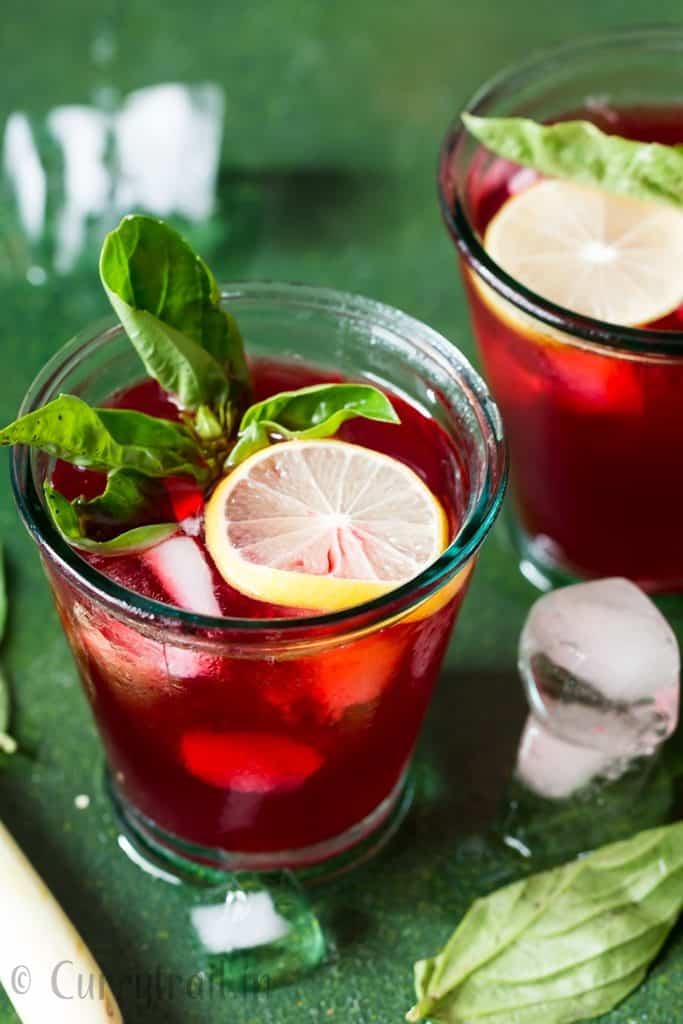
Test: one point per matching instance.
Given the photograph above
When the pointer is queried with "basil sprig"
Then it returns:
(560, 946)
(579, 151)
(311, 412)
(169, 304)
(170, 307)
(7, 743)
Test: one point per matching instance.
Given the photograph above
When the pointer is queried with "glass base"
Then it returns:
(254, 924)
(317, 862)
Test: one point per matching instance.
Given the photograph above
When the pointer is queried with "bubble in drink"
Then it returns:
(601, 668)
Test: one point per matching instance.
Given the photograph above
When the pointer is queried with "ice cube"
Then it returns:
(185, 574)
(138, 667)
(248, 762)
(553, 768)
(521, 180)
(601, 668)
(355, 674)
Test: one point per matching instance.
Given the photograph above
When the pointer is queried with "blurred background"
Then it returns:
(290, 139)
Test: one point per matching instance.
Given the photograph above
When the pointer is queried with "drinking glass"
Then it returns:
(337, 698)
(591, 410)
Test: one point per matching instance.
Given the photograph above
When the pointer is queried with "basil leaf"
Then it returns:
(252, 439)
(561, 946)
(311, 412)
(125, 496)
(106, 439)
(319, 410)
(578, 151)
(66, 520)
(207, 425)
(169, 304)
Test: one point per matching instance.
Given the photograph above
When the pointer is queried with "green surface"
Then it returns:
(334, 114)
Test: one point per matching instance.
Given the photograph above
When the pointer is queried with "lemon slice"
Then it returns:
(322, 525)
(605, 256)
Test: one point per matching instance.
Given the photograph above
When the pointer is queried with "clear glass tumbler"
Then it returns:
(336, 700)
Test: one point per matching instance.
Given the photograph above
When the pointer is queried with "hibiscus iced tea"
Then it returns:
(256, 734)
(592, 412)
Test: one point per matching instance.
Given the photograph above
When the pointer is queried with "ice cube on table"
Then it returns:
(601, 667)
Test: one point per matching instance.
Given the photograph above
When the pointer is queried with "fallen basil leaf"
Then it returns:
(105, 439)
(7, 744)
(169, 304)
(65, 518)
(560, 946)
(311, 412)
(578, 151)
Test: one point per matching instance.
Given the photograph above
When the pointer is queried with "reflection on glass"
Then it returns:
(68, 177)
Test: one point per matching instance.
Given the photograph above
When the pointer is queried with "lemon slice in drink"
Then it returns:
(605, 256)
(322, 525)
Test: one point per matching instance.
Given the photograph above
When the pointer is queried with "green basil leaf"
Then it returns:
(252, 439)
(578, 151)
(560, 946)
(125, 497)
(170, 443)
(311, 412)
(207, 425)
(319, 410)
(66, 519)
(169, 304)
(107, 439)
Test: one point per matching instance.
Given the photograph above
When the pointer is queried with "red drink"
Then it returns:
(592, 410)
(266, 754)
(242, 733)
(593, 435)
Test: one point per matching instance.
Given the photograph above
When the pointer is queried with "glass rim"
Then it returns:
(589, 329)
(475, 526)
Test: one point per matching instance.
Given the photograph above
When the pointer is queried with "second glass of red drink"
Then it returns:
(588, 386)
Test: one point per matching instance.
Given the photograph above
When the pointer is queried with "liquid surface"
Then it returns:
(503, 179)
(418, 441)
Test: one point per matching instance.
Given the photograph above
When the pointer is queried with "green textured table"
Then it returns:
(333, 117)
